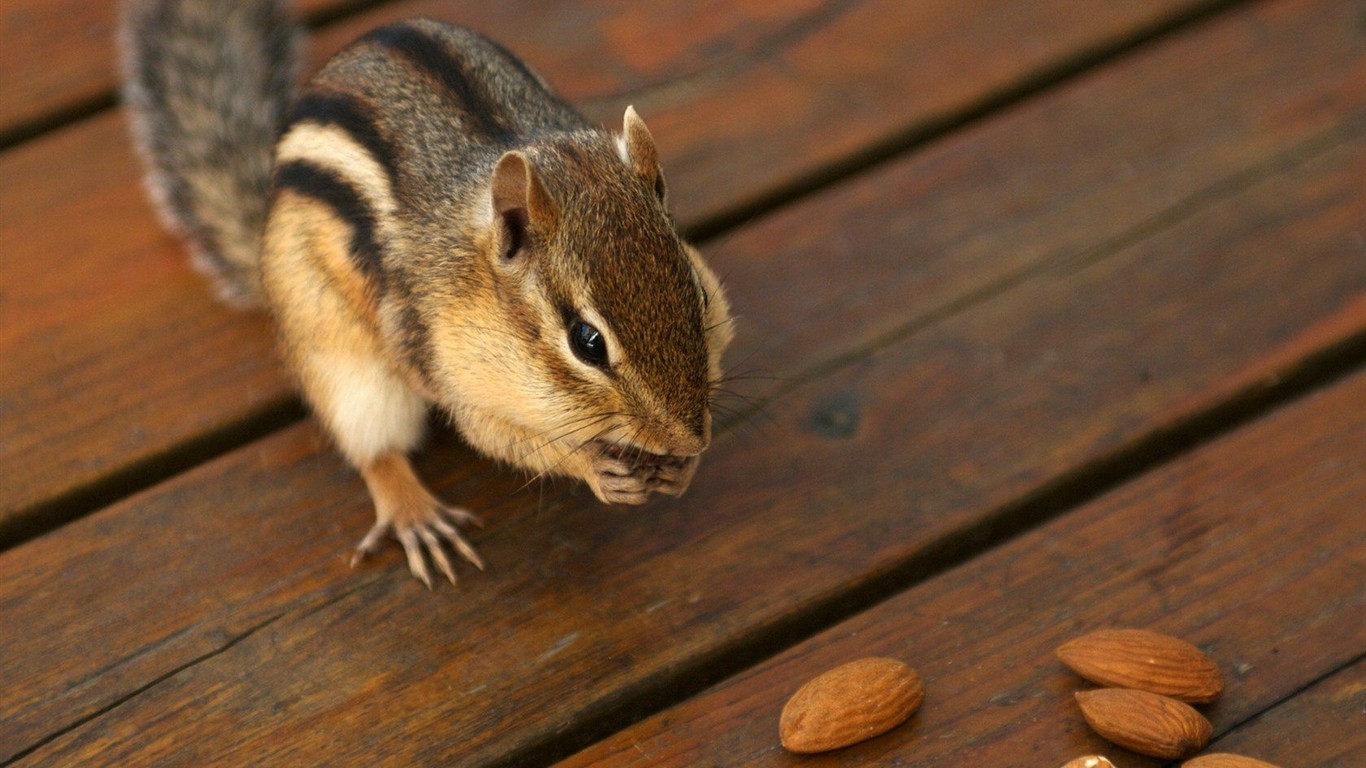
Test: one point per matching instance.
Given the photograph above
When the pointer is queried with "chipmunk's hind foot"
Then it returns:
(425, 527)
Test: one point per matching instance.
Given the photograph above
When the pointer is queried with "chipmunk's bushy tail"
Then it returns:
(207, 83)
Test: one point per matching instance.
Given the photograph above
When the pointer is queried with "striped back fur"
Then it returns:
(207, 83)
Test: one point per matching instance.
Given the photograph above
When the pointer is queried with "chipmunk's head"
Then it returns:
(619, 324)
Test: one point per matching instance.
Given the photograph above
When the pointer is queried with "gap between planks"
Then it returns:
(54, 513)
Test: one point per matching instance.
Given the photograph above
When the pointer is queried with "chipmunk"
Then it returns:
(430, 225)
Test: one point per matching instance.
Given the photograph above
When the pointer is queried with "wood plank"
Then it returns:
(1254, 548)
(1041, 377)
(57, 58)
(756, 96)
(94, 354)
(114, 351)
(1318, 727)
(56, 55)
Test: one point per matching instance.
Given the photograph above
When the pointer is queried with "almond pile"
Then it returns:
(1147, 661)
(1150, 677)
(1149, 680)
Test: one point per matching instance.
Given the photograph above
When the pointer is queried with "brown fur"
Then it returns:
(438, 222)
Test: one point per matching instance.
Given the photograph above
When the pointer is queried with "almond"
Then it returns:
(1225, 760)
(1145, 722)
(1090, 761)
(1147, 661)
(848, 704)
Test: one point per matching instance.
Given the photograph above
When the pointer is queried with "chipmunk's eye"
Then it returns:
(588, 344)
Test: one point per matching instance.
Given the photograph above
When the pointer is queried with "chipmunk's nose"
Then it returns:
(693, 438)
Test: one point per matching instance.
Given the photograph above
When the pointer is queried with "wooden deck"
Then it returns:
(1053, 317)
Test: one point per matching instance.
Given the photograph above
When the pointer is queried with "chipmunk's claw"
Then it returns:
(444, 525)
(413, 549)
(370, 544)
(425, 538)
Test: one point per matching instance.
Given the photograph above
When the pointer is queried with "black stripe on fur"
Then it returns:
(433, 57)
(329, 188)
(353, 116)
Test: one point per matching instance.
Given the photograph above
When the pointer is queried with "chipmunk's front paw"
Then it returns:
(629, 477)
(424, 530)
(674, 474)
(621, 485)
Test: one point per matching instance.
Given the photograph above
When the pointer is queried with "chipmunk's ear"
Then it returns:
(521, 203)
(638, 150)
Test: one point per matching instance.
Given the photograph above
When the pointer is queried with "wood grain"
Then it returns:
(870, 470)
(1254, 548)
(116, 360)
